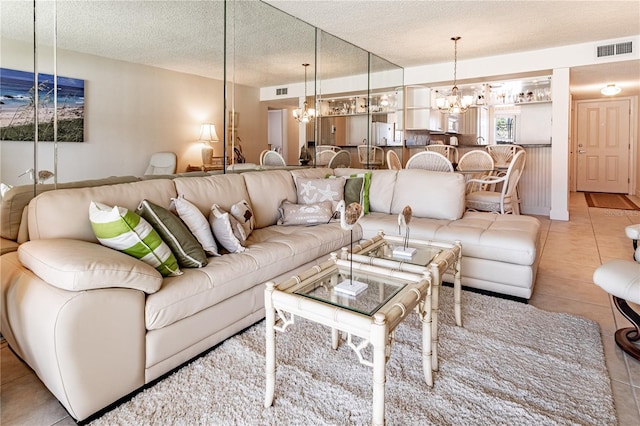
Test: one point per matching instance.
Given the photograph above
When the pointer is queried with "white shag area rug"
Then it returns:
(511, 364)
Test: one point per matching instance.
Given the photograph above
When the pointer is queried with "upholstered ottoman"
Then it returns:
(621, 279)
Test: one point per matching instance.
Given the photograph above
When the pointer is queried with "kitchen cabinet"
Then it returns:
(417, 107)
(356, 119)
(475, 122)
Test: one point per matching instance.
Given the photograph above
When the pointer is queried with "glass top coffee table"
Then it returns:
(372, 315)
(386, 251)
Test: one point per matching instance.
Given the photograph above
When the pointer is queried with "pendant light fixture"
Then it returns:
(454, 103)
(610, 90)
(304, 114)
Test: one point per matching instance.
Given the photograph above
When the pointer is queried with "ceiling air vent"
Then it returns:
(607, 50)
(624, 48)
(281, 91)
(614, 49)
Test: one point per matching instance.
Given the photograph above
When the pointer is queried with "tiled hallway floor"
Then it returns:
(572, 251)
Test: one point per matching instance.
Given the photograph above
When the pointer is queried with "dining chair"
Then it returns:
(475, 164)
(429, 160)
(333, 148)
(503, 154)
(451, 152)
(262, 156)
(341, 158)
(324, 157)
(505, 201)
(272, 158)
(393, 161)
(371, 155)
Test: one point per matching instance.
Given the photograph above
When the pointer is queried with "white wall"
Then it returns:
(131, 111)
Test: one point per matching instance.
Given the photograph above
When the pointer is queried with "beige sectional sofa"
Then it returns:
(95, 331)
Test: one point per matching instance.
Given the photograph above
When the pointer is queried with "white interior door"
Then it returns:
(276, 130)
(603, 146)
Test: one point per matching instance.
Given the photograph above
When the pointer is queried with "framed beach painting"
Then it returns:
(17, 100)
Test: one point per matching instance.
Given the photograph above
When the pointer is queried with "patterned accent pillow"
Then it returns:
(197, 224)
(311, 191)
(305, 214)
(242, 212)
(125, 231)
(356, 189)
(175, 233)
(227, 230)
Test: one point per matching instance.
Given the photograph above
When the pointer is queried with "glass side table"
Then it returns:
(371, 315)
(434, 256)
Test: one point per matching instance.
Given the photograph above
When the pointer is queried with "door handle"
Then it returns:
(582, 151)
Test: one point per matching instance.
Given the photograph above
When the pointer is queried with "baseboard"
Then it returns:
(491, 293)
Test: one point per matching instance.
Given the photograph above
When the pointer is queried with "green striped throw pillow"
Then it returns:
(123, 230)
(175, 233)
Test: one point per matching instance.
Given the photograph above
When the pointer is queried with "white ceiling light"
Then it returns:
(454, 103)
(304, 114)
(610, 90)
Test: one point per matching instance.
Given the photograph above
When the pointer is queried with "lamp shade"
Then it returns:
(208, 133)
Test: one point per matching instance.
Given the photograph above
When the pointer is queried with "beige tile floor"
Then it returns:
(571, 252)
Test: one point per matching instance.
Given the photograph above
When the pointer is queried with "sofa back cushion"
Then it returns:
(64, 213)
(18, 197)
(267, 190)
(224, 190)
(380, 189)
(311, 173)
(435, 195)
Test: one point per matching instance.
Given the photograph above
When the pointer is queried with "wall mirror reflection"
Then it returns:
(152, 88)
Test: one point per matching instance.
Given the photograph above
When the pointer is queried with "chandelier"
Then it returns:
(454, 103)
(304, 114)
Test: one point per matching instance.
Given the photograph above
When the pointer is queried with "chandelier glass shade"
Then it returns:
(304, 114)
(454, 103)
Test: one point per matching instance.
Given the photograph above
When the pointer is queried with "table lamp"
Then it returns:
(207, 136)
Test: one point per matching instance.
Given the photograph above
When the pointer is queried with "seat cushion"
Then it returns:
(271, 251)
(504, 238)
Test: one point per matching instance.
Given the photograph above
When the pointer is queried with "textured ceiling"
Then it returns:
(268, 49)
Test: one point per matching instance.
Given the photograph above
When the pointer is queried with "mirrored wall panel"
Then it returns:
(209, 83)
(266, 48)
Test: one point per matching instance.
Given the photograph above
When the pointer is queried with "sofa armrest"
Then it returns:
(87, 347)
(79, 265)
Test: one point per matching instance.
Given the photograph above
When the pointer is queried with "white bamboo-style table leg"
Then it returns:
(457, 286)
(335, 338)
(436, 281)
(270, 316)
(424, 312)
(379, 339)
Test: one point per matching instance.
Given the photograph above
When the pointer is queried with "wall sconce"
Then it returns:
(207, 136)
(610, 90)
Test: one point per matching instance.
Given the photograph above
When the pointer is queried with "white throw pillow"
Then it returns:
(227, 230)
(311, 191)
(125, 231)
(242, 212)
(197, 224)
